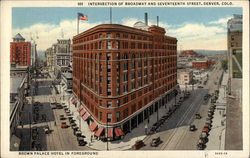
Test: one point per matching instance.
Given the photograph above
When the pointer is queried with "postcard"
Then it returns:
(125, 78)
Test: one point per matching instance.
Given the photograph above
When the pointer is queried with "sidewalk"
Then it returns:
(129, 139)
(217, 133)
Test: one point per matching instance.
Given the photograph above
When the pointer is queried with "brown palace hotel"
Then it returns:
(122, 75)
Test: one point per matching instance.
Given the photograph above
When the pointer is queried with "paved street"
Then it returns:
(175, 133)
(58, 139)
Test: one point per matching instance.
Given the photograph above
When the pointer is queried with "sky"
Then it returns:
(195, 28)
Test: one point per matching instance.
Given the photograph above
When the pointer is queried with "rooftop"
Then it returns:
(15, 83)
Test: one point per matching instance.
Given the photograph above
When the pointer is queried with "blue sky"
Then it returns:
(178, 22)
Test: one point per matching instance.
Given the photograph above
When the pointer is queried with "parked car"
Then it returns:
(81, 141)
(64, 125)
(138, 144)
(62, 117)
(192, 128)
(200, 86)
(155, 142)
(197, 116)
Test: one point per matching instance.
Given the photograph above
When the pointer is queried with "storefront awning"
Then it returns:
(119, 132)
(82, 112)
(110, 132)
(85, 116)
(80, 108)
(73, 101)
(99, 132)
(93, 126)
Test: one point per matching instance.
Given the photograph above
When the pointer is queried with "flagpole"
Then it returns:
(77, 23)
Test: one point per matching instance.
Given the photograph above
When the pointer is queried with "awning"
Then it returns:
(80, 108)
(110, 132)
(85, 116)
(73, 101)
(99, 132)
(93, 126)
(82, 112)
(119, 132)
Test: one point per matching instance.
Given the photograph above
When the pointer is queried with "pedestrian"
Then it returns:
(148, 120)
(55, 123)
(91, 138)
(146, 129)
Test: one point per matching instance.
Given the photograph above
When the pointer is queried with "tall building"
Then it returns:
(234, 39)
(122, 75)
(20, 51)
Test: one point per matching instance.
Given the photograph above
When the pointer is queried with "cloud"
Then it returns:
(199, 36)
(189, 35)
(49, 33)
(221, 21)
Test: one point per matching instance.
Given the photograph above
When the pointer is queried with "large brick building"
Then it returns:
(20, 51)
(121, 75)
(202, 64)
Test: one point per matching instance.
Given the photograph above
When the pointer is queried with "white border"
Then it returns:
(6, 8)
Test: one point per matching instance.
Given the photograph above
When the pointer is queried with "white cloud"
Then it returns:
(221, 21)
(200, 36)
(49, 33)
(189, 35)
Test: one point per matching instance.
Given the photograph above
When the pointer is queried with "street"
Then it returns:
(58, 139)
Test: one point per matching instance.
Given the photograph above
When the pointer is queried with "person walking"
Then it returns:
(91, 138)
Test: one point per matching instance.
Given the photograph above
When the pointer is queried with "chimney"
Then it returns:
(146, 19)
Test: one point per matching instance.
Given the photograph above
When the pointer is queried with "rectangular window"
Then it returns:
(145, 72)
(125, 113)
(109, 117)
(117, 116)
(125, 66)
(109, 91)
(125, 100)
(139, 73)
(109, 104)
(108, 35)
(108, 44)
(125, 77)
(132, 75)
(125, 88)
(133, 85)
(100, 115)
(132, 65)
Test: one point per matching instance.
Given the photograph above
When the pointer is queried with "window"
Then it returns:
(125, 113)
(109, 117)
(133, 85)
(108, 44)
(132, 65)
(125, 77)
(145, 63)
(125, 88)
(139, 83)
(125, 66)
(109, 67)
(139, 64)
(109, 104)
(100, 115)
(125, 100)
(132, 75)
(133, 96)
(108, 35)
(145, 72)
(145, 80)
(117, 116)
(133, 109)
(117, 35)
(139, 73)
(109, 91)
(109, 80)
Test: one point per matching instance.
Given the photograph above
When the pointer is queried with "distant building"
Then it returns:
(185, 76)
(188, 53)
(20, 51)
(122, 75)
(202, 64)
(234, 39)
(19, 82)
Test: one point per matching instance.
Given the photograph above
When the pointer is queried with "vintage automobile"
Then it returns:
(138, 144)
(62, 117)
(197, 116)
(192, 128)
(81, 141)
(34, 132)
(64, 125)
(155, 142)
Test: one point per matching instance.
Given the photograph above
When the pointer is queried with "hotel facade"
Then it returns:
(122, 75)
